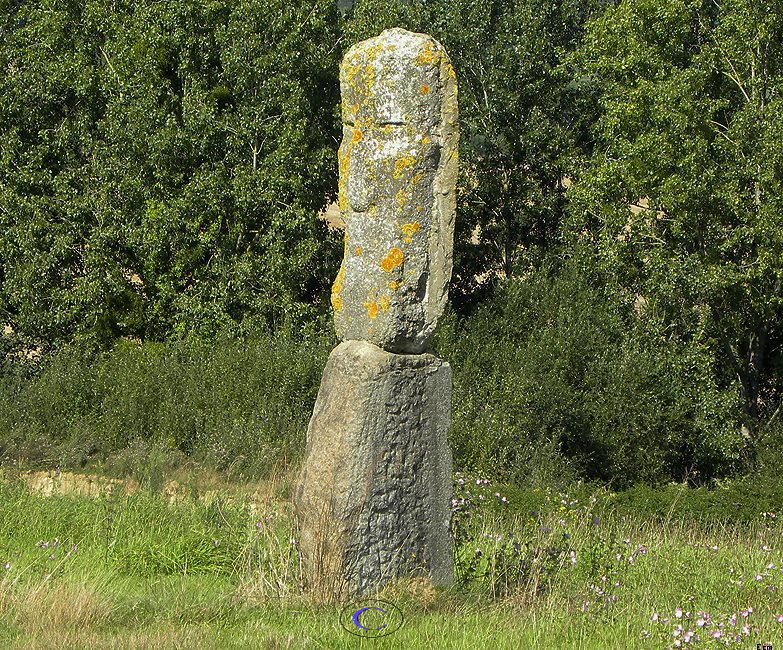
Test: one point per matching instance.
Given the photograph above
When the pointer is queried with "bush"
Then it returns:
(238, 403)
(557, 377)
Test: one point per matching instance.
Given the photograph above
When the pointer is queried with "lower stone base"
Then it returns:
(373, 497)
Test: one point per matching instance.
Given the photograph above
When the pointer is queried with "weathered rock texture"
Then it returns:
(398, 168)
(373, 498)
(376, 487)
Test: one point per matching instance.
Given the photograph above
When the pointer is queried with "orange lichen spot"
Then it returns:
(401, 164)
(372, 309)
(383, 303)
(425, 89)
(394, 285)
(358, 250)
(425, 139)
(357, 135)
(410, 229)
(392, 260)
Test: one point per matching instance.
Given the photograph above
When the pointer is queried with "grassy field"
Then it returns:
(209, 564)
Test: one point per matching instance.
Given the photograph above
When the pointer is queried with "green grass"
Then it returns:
(222, 572)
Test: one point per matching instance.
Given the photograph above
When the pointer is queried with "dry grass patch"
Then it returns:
(56, 606)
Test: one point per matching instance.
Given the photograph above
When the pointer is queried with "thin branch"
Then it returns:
(735, 78)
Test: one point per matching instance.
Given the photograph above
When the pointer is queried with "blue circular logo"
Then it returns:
(371, 618)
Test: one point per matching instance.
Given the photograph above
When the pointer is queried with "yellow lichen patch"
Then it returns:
(337, 287)
(410, 229)
(429, 55)
(425, 89)
(401, 164)
(383, 303)
(402, 197)
(372, 309)
(394, 285)
(392, 260)
(357, 135)
(358, 250)
(417, 177)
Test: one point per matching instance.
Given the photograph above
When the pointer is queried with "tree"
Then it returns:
(683, 195)
(162, 166)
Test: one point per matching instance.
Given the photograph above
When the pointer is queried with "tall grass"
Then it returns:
(570, 568)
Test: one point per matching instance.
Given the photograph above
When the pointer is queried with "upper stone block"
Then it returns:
(398, 170)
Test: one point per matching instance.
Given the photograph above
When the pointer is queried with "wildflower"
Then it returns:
(585, 605)
(701, 622)
(678, 613)
(770, 566)
(688, 636)
(573, 557)
(746, 629)
(478, 552)
(51, 557)
(732, 620)
(779, 617)
(7, 566)
(758, 577)
(596, 521)
(655, 616)
(292, 541)
(714, 548)
(765, 548)
(716, 634)
(56, 542)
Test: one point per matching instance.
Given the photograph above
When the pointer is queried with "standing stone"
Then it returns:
(373, 498)
(398, 169)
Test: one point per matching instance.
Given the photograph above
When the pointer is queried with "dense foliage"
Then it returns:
(617, 308)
